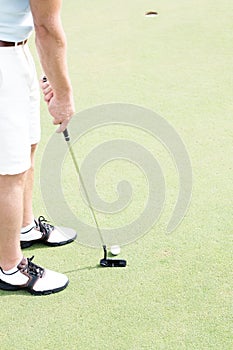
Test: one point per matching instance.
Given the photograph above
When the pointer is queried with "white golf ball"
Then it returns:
(115, 249)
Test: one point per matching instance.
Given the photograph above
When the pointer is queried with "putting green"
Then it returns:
(176, 292)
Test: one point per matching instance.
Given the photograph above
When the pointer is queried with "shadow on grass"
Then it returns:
(42, 246)
(87, 268)
(37, 246)
(23, 293)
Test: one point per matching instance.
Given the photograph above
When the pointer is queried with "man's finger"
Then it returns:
(47, 90)
(62, 127)
(48, 97)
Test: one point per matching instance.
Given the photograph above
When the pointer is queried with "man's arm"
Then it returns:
(51, 47)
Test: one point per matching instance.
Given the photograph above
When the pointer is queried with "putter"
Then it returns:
(105, 262)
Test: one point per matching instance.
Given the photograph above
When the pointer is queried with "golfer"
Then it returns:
(20, 134)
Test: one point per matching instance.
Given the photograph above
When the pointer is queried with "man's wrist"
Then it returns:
(63, 93)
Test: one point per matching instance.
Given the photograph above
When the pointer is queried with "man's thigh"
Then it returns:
(19, 112)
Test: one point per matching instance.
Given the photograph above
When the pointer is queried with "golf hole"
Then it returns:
(151, 14)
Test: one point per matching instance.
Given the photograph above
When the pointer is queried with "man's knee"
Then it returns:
(11, 181)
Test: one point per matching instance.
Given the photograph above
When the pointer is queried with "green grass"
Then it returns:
(176, 292)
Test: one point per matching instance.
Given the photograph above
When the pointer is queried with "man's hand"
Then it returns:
(61, 108)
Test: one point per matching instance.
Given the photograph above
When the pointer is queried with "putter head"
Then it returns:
(112, 263)
(105, 262)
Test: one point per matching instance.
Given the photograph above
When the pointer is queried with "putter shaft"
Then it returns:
(67, 138)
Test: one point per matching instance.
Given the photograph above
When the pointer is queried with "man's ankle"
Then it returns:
(26, 228)
(27, 223)
(7, 264)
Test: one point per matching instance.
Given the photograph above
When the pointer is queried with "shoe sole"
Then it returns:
(25, 244)
(11, 288)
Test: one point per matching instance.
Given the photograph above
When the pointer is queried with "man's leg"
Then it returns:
(11, 214)
(17, 272)
(28, 216)
(48, 234)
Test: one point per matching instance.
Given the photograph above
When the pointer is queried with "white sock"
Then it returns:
(28, 227)
(8, 272)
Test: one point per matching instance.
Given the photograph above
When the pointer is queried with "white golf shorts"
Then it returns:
(19, 109)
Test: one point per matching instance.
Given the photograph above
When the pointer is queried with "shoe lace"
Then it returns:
(33, 269)
(43, 224)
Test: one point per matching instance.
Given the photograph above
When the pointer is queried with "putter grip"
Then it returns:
(66, 135)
